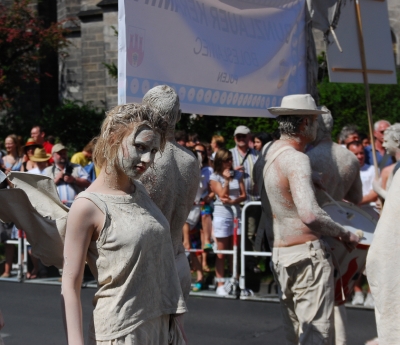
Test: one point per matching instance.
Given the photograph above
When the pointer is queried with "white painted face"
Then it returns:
(137, 152)
(390, 144)
(311, 130)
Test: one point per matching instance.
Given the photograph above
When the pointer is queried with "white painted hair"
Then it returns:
(325, 121)
(393, 132)
(377, 123)
(165, 101)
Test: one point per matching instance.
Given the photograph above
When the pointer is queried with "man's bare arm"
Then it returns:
(299, 175)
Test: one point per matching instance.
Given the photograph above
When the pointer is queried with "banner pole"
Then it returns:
(366, 85)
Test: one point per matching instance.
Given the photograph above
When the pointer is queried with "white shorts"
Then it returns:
(223, 227)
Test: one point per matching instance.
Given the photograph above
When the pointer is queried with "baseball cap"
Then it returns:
(242, 130)
(58, 148)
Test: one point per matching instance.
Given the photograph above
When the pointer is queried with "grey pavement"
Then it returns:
(33, 316)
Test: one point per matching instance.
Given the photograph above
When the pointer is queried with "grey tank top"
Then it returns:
(133, 263)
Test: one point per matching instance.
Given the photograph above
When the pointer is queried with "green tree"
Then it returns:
(24, 42)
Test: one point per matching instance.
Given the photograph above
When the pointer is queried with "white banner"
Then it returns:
(223, 57)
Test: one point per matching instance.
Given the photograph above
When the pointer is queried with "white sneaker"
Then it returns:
(221, 291)
(369, 301)
(358, 298)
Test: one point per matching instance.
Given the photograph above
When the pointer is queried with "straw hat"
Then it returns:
(40, 155)
(31, 143)
(297, 105)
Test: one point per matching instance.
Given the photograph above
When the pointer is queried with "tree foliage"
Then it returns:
(24, 42)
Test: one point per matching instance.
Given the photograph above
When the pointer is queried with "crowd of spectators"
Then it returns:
(226, 183)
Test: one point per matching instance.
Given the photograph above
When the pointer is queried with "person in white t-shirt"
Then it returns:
(41, 158)
(367, 175)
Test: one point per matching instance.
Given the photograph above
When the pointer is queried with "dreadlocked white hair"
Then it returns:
(165, 101)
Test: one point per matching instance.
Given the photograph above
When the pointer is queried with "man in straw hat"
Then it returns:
(41, 158)
(301, 266)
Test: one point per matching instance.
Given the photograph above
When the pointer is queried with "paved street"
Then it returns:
(33, 316)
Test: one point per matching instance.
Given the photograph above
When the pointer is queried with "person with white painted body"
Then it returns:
(125, 239)
(391, 143)
(383, 268)
(339, 172)
(300, 263)
(173, 180)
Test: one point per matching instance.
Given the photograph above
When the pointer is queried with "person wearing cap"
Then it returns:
(41, 159)
(244, 159)
(29, 148)
(300, 263)
(70, 178)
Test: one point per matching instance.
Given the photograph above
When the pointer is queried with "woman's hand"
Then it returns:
(226, 174)
(227, 201)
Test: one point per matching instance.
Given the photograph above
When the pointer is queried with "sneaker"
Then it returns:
(358, 298)
(369, 301)
(221, 291)
(228, 286)
(246, 293)
(198, 286)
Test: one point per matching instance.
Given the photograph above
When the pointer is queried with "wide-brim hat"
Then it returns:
(31, 143)
(40, 155)
(297, 105)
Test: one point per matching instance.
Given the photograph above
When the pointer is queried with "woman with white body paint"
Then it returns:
(124, 237)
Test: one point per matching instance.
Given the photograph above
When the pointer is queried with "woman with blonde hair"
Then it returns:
(228, 186)
(124, 237)
(13, 159)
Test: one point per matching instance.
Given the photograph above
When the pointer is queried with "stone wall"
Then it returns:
(83, 75)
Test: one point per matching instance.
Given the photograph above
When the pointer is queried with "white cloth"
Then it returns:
(37, 171)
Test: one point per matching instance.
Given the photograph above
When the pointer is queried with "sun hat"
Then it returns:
(58, 148)
(297, 105)
(31, 143)
(40, 155)
(242, 130)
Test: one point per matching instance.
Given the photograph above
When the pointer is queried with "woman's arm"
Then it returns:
(82, 225)
(240, 198)
(217, 188)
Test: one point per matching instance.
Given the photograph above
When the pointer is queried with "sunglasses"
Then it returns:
(241, 136)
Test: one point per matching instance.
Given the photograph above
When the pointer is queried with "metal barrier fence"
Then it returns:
(243, 252)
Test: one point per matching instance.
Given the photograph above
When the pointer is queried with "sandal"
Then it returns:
(5, 275)
(208, 247)
(198, 286)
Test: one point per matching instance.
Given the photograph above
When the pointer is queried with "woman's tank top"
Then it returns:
(133, 263)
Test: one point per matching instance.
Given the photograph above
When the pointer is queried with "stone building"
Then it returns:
(82, 73)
